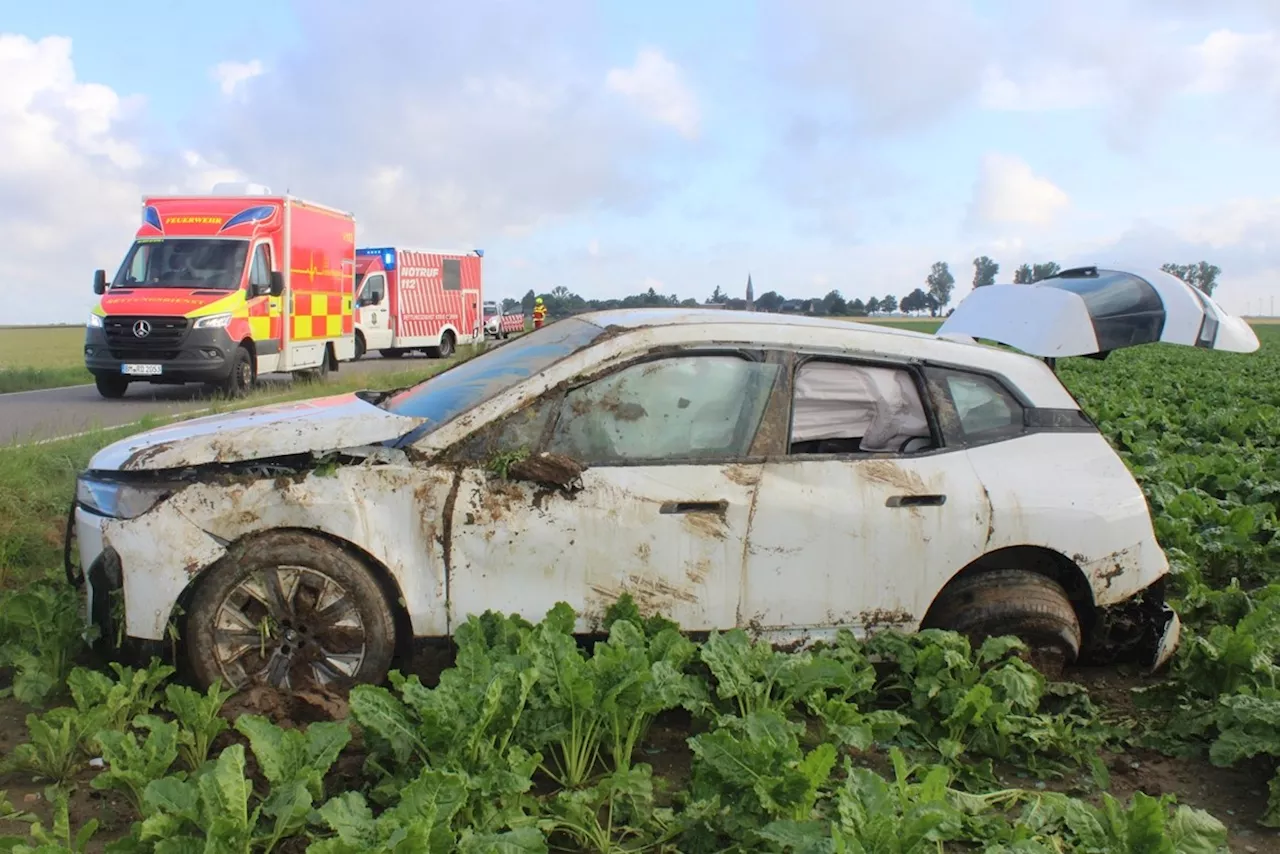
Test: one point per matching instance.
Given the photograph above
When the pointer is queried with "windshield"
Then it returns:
(476, 380)
(199, 262)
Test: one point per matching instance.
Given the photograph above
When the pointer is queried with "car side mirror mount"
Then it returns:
(99, 282)
(277, 283)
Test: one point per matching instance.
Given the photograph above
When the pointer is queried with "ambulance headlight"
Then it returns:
(95, 321)
(213, 321)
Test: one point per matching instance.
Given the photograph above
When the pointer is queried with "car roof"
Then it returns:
(678, 325)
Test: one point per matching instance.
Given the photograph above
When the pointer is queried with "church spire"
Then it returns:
(751, 295)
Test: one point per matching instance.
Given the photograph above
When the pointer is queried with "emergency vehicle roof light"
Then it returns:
(479, 252)
(240, 188)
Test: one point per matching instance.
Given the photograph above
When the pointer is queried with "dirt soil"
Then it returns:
(1236, 796)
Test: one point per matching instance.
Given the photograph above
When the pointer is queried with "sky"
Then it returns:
(616, 146)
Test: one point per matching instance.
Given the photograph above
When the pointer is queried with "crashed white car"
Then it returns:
(789, 475)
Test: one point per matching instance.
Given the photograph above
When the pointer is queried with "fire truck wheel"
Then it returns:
(445, 350)
(112, 388)
(241, 378)
(360, 348)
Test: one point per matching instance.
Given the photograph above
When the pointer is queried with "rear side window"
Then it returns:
(843, 408)
(974, 408)
(452, 273)
(1125, 309)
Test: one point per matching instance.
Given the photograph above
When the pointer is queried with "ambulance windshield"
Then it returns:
(206, 263)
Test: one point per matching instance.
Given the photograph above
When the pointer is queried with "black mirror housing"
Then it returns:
(99, 282)
(277, 283)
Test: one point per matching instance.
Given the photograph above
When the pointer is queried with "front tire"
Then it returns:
(360, 348)
(240, 381)
(1016, 602)
(112, 388)
(291, 610)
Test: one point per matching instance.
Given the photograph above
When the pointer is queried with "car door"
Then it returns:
(863, 515)
(375, 312)
(660, 510)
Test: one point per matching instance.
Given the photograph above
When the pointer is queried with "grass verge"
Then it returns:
(31, 379)
(37, 481)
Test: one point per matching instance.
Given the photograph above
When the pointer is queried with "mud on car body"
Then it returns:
(789, 475)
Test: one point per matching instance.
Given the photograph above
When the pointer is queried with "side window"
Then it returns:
(980, 407)
(451, 270)
(141, 261)
(678, 408)
(260, 272)
(842, 408)
(373, 290)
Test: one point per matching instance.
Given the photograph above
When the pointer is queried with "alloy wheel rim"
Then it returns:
(294, 628)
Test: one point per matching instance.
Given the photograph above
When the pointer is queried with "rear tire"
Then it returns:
(240, 380)
(297, 646)
(112, 388)
(1016, 602)
(445, 350)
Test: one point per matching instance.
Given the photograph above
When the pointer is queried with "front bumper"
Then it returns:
(1143, 629)
(200, 355)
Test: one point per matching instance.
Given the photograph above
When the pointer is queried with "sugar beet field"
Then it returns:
(519, 739)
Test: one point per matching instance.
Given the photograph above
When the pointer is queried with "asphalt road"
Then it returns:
(33, 416)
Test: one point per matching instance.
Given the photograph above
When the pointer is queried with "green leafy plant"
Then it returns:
(198, 715)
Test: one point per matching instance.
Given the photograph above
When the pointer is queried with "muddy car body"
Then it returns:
(789, 475)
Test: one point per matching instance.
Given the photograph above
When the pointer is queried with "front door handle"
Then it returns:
(915, 501)
(718, 507)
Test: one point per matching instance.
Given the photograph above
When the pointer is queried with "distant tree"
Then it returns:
(510, 305)
(915, 301)
(889, 304)
(1044, 271)
(834, 303)
(931, 303)
(1202, 275)
(941, 283)
(984, 271)
(873, 306)
(717, 296)
(858, 308)
(1022, 275)
(769, 301)
(526, 304)
(689, 303)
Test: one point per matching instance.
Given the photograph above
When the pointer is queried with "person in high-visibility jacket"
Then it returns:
(539, 313)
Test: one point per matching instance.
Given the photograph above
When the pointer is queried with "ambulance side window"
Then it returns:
(141, 259)
(452, 272)
(260, 272)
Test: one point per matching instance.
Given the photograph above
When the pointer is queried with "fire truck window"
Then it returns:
(452, 271)
(260, 272)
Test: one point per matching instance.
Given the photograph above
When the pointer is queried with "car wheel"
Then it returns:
(360, 348)
(238, 383)
(291, 610)
(1017, 602)
(445, 350)
(112, 388)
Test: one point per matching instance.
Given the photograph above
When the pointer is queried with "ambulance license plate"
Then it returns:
(141, 370)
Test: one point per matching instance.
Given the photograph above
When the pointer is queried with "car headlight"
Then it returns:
(120, 500)
(213, 321)
(95, 321)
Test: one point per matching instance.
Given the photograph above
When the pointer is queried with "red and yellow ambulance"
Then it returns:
(218, 289)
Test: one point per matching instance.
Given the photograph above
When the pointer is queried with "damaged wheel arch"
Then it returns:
(371, 585)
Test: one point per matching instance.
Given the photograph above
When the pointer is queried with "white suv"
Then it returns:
(789, 475)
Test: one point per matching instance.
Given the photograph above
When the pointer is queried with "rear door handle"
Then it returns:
(915, 501)
(694, 507)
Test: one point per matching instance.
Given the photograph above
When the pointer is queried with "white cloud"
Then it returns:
(1009, 192)
(656, 85)
(232, 76)
(593, 248)
(1058, 87)
(1229, 61)
(70, 173)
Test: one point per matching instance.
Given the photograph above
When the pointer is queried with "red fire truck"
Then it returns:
(417, 299)
(218, 289)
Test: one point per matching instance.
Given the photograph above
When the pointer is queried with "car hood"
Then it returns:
(312, 426)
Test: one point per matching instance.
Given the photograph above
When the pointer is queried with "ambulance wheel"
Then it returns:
(112, 388)
(391, 354)
(360, 348)
(241, 378)
(445, 350)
